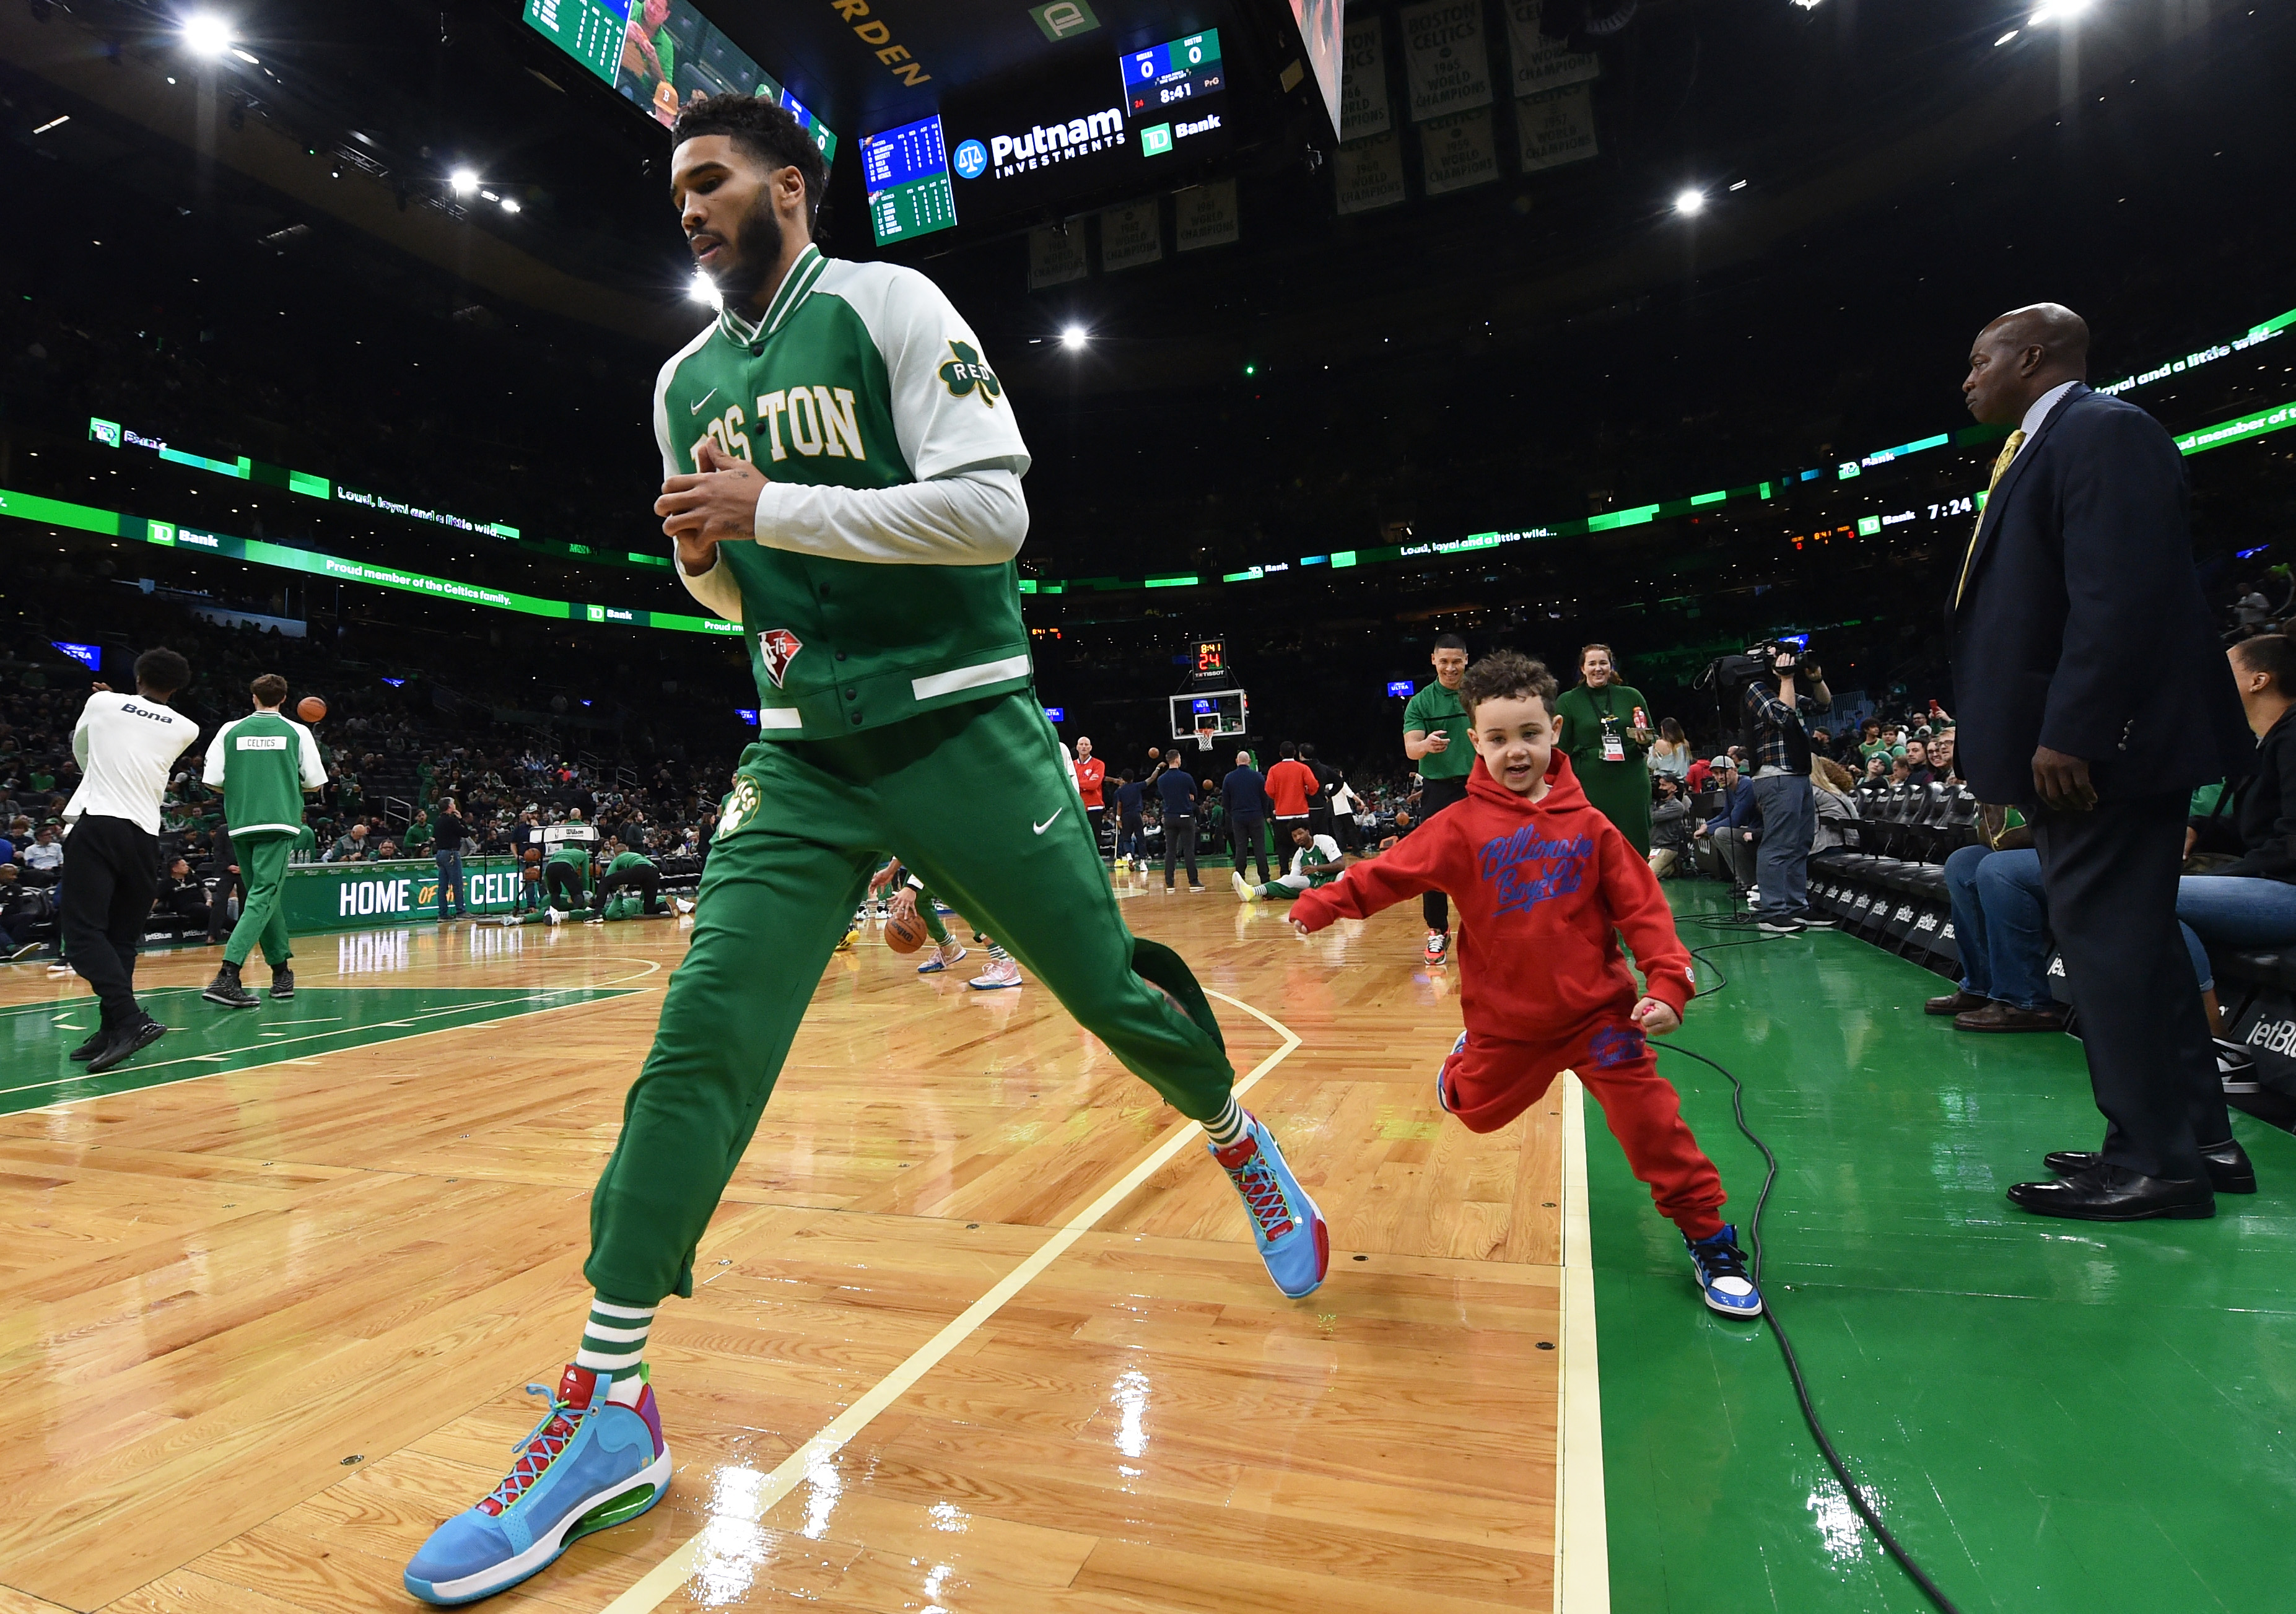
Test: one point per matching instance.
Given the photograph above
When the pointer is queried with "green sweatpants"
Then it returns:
(262, 912)
(929, 912)
(975, 800)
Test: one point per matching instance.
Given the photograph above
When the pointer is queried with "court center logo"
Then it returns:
(971, 158)
(739, 807)
(967, 372)
(777, 647)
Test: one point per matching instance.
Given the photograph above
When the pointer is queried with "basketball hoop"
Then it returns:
(1204, 737)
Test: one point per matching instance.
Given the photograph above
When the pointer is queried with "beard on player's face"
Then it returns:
(756, 246)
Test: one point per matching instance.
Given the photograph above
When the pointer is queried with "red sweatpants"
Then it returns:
(1488, 1083)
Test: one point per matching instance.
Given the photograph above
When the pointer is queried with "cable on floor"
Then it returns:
(1834, 1459)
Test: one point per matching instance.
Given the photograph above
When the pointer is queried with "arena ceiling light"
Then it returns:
(704, 290)
(1690, 203)
(205, 34)
(1074, 336)
(464, 181)
(2058, 11)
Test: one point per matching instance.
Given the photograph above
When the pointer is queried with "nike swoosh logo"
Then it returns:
(695, 407)
(1047, 824)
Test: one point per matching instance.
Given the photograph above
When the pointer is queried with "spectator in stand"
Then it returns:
(44, 857)
(1699, 777)
(2253, 611)
(1737, 829)
(1837, 809)
(1670, 825)
(21, 910)
(1917, 763)
(452, 831)
(7, 848)
(183, 894)
(1603, 726)
(1177, 791)
(1670, 753)
(1941, 758)
(1291, 789)
(352, 846)
(1091, 774)
(1245, 793)
(419, 834)
(2250, 901)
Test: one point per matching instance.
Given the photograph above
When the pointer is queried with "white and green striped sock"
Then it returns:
(613, 1341)
(1227, 1125)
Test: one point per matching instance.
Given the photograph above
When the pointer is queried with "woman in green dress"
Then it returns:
(1606, 732)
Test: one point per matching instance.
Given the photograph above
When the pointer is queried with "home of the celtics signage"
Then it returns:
(346, 895)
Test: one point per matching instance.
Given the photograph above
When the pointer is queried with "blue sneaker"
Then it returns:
(942, 960)
(1720, 1265)
(1285, 1224)
(1442, 1091)
(595, 1460)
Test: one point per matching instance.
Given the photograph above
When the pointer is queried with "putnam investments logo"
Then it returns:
(1045, 144)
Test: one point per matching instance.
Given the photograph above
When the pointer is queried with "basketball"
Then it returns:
(905, 932)
(310, 709)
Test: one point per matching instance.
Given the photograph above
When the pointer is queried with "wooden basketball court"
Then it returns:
(976, 1327)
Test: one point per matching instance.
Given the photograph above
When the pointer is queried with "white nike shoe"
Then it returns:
(681, 904)
(1244, 890)
(1000, 972)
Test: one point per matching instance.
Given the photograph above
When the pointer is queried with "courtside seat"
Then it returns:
(2262, 968)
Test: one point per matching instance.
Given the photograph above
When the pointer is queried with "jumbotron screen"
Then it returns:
(662, 55)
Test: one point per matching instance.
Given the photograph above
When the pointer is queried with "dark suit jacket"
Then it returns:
(2082, 627)
(2256, 822)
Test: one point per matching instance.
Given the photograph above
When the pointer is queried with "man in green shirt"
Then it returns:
(566, 872)
(843, 481)
(265, 764)
(1439, 740)
(626, 867)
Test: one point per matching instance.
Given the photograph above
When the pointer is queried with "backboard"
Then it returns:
(1228, 710)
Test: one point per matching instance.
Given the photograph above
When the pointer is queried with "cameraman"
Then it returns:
(1777, 703)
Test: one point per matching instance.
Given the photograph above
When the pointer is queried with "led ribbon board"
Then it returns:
(167, 534)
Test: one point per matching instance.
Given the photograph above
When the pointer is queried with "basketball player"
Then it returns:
(265, 764)
(124, 746)
(843, 481)
(626, 867)
(1435, 737)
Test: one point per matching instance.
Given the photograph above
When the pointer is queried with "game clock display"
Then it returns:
(906, 173)
(1156, 81)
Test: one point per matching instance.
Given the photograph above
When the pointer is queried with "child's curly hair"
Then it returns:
(1507, 675)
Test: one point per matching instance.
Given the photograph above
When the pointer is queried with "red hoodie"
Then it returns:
(1543, 887)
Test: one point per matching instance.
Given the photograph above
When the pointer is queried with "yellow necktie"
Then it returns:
(2001, 464)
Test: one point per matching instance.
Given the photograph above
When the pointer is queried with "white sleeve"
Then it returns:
(969, 518)
(715, 588)
(950, 410)
(80, 734)
(315, 767)
(212, 774)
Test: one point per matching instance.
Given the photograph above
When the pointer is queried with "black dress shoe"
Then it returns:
(2229, 1171)
(2113, 1193)
(1955, 1002)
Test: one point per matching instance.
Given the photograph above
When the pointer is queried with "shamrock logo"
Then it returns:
(968, 371)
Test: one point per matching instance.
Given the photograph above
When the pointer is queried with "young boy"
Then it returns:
(1543, 881)
(1315, 861)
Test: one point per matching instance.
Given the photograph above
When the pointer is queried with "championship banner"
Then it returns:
(1204, 216)
(1541, 63)
(1363, 81)
(1131, 235)
(1450, 69)
(1557, 128)
(1458, 152)
(1369, 175)
(1056, 256)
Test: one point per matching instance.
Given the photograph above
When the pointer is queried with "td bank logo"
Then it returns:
(597, 613)
(1155, 140)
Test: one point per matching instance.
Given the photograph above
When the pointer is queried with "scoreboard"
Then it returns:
(588, 30)
(906, 173)
(1155, 81)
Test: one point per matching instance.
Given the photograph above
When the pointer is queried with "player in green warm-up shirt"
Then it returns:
(566, 872)
(843, 482)
(1439, 740)
(265, 764)
(626, 867)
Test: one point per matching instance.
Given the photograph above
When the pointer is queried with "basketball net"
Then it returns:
(1204, 738)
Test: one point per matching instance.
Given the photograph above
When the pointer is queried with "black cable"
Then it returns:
(1856, 1492)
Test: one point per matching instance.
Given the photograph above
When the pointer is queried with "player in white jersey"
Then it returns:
(126, 746)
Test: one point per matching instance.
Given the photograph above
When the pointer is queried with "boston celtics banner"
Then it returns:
(1457, 152)
(1541, 63)
(1131, 235)
(1056, 256)
(1368, 174)
(1557, 127)
(1450, 68)
(349, 896)
(1363, 81)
